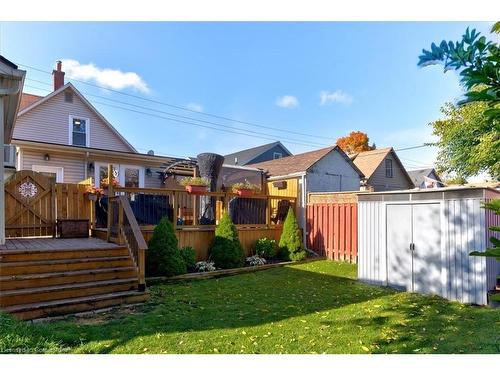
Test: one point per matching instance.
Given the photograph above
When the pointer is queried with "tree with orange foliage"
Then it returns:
(356, 141)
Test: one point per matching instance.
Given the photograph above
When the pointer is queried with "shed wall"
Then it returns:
(463, 221)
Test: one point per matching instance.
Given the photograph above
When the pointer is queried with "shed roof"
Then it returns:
(300, 162)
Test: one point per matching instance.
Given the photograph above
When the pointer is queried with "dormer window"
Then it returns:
(79, 131)
(277, 155)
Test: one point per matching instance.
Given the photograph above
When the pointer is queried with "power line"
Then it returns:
(182, 108)
(189, 123)
(307, 143)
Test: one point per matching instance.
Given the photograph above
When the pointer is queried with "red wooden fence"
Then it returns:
(332, 230)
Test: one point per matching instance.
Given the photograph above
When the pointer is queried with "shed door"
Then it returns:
(427, 244)
(398, 246)
(414, 247)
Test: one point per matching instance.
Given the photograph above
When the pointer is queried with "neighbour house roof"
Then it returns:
(245, 156)
(418, 175)
(27, 100)
(36, 103)
(368, 161)
(300, 162)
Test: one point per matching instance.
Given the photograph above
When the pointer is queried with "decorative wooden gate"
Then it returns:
(29, 205)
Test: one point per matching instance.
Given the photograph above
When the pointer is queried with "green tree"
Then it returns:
(290, 241)
(163, 257)
(468, 143)
(479, 63)
(226, 251)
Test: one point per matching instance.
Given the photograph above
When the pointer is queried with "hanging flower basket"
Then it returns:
(196, 189)
(245, 192)
(195, 185)
(245, 189)
(91, 197)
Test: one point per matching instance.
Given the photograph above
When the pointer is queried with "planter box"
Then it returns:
(73, 228)
(91, 197)
(196, 189)
(245, 192)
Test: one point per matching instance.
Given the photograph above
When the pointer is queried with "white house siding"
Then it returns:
(464, 278)
(398, 181)
(332, 173)
(49, 122)
(73, 167)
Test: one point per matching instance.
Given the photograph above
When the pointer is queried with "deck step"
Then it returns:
(75, 305)
(65, 277)
(58, 292)
(56, 265)
(55, 254)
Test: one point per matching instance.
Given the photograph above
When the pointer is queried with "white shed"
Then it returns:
(420, 240)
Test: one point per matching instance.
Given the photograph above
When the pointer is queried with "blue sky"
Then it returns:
(321, 79)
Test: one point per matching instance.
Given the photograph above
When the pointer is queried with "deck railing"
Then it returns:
(124, 229)
(190, 210)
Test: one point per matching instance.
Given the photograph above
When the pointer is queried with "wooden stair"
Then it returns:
(37, 283)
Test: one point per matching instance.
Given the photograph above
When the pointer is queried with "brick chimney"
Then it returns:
(58, 76)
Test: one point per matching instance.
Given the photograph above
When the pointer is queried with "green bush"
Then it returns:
(290, 243)
(163, 257)
(189, 256)
(265, 248)
(226, 251)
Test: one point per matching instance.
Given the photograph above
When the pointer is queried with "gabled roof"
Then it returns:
(246, 156)
(84, 100)
(27, 100)
(417, 175)
(369, 161)
(300, 162)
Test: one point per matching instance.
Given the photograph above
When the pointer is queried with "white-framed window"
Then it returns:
(79, 131)
(126, 175)
(388, 168)
(277, 155)
(50, 171)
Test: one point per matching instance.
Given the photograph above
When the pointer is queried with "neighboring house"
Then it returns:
(11, 87)
(64, 136)
(425, 178)
(383, 170)
(325, 170)
(271, 151)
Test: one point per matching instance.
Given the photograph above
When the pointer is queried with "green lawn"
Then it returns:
(308, 308)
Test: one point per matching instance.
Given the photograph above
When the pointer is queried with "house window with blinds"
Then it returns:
(79, 131)
(388, 168)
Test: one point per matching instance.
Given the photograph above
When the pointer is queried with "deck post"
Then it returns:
(175, 213)
(110, 205)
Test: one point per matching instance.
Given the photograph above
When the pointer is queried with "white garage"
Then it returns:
(420, 240)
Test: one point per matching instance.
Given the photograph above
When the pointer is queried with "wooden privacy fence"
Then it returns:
(332, 228)
(33, 203)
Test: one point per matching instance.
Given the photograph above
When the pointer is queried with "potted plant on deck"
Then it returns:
(105, 184)
(245, 189)
(93, 193)
(195, 185)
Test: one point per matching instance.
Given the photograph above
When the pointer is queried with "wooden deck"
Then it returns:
(41, 243)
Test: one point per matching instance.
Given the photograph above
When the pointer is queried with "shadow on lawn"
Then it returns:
(231, 302)
(431, 324)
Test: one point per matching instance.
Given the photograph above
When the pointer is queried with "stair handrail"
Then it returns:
(130, 233)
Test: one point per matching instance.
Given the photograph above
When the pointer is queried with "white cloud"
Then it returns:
(338, 96)
(195, 107)
(287, 101)
(110, 78)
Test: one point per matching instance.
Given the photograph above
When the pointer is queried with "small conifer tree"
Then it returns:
(163, 257)
(226, 251)
(290, 242)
